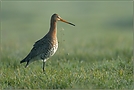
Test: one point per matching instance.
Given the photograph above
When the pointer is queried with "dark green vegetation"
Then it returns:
(95, 54)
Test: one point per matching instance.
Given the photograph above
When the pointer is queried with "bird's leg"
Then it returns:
(44, 63)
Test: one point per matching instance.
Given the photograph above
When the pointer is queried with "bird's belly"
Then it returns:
(50, 52)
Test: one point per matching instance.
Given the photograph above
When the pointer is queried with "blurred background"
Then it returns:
(96, 53)
(25, 22)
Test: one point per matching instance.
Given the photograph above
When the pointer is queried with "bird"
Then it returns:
(46, 47)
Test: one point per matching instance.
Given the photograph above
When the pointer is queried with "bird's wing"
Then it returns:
(40, 46)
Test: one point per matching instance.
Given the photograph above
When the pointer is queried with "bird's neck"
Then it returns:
(53, 28)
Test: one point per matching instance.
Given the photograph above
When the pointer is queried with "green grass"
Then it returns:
(95, 54)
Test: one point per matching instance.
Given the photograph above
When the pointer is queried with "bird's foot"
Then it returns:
(44, 71)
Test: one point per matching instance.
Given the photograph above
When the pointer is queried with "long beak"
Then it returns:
(66, 22)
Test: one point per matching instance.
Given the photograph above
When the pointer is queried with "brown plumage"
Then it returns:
(47, 46)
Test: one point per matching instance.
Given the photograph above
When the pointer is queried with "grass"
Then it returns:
(98, 56)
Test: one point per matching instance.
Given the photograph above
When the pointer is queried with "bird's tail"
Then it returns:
(22, 61)
(25, 60)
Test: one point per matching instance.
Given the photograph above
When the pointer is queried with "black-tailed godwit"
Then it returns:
(47, 46)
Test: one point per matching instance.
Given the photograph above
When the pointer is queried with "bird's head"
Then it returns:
(56, 17)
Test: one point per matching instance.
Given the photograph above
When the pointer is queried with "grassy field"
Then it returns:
(95, 54)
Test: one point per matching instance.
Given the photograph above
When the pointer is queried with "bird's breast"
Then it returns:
(54, 49)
